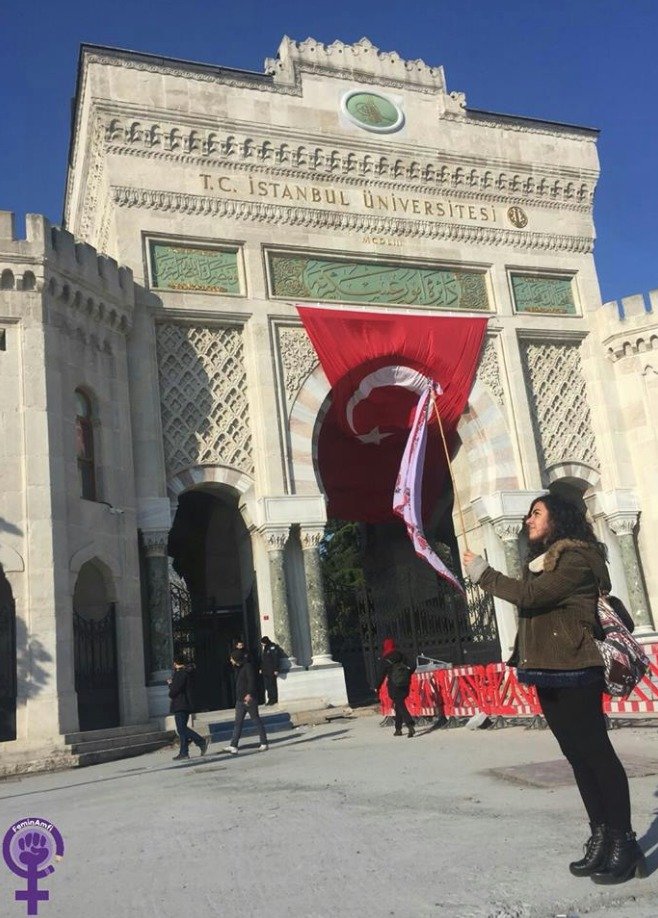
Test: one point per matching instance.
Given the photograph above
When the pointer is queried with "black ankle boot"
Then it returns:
(596, 852)
(625, 859)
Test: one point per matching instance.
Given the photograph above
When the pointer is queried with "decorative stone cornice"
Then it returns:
(232, 146)
(179, 202)
(631, 344)
(155, 542)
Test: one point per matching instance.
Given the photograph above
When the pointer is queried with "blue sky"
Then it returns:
(590, 62)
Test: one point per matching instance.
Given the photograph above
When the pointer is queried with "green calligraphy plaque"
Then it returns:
(372, 111)
(549, 295)
(176, 267)
(301, 277)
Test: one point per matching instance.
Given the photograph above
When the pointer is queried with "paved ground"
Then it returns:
(341, 820)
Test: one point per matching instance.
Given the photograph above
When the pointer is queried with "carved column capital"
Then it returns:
(508, 530)
(275, 537)
(311, 536)
(622, 522)
(155, 542)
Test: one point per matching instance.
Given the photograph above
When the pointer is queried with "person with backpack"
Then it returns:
(181, 706)
(556, 651)
(397, 673)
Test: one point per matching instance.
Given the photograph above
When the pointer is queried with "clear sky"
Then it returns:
(591, 62)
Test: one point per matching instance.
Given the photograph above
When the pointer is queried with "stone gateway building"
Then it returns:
(161, 403)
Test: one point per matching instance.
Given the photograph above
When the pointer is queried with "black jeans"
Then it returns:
(241, 710)
(271, 688)
(575, 717)
(185, 734)
(402, 715)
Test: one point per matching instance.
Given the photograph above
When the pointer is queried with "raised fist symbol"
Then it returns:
(33, 850)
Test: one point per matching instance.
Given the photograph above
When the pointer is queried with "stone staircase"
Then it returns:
(95, 746)
(221, 730)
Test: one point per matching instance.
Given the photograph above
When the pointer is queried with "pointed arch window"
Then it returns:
(84, 442)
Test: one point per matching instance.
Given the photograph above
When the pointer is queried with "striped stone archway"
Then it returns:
(482, 430)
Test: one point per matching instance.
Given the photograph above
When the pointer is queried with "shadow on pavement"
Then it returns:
(210, 758)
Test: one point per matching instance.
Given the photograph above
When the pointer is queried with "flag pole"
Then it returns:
(452, 477)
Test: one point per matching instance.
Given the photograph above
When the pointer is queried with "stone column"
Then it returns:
(508, 531)
(275, 542)
(159, 611)
(311, 536)
(623, 523)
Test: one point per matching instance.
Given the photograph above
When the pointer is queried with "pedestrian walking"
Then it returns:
(397, 672)
(555, 651)
(270, 661)
(246, 701)
(181, 706)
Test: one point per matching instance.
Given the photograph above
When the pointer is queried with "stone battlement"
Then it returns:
(362, 57)
(50, 253)
(629, 326)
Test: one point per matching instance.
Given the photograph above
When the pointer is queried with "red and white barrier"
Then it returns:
(495, 690)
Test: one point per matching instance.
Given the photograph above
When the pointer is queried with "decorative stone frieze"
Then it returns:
(203, 390)
(488, 372)
(280, 156)
(297, 356)
(367, 224)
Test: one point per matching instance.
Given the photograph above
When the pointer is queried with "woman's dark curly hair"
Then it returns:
(568, 521)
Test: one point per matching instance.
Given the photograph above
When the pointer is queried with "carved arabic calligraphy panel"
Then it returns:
(534, 293)
(189, 268)
(302, 277)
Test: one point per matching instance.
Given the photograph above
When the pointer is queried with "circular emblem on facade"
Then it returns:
(372, 111)
(517, 217)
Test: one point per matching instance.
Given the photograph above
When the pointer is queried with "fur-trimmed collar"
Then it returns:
(548, 561)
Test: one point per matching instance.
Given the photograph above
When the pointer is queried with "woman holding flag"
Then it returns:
(555, 651)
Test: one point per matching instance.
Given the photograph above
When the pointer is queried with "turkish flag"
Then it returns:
(378, 364)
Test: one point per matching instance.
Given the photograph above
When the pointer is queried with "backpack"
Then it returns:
(400, 674)
(624, 661)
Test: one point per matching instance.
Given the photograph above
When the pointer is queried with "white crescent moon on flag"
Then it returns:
(391, 375)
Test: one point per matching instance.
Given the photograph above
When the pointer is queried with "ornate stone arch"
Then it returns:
(206, 476)
(573, 471)
(482, 430)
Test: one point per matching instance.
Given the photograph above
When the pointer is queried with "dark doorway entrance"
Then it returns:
(7, 661)
(214, 594)
(95, 650)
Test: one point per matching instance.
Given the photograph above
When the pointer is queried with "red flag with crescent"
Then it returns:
(378, 364)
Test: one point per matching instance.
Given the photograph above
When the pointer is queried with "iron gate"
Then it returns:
(96, 671)
(7, 662)
(203, 633)
(456, 628)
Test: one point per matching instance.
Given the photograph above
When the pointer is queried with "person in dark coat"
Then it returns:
(270, 661)
(181, 706)
(397, 671)
(556, 651)
(246, 701)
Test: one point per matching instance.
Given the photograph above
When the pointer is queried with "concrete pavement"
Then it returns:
(342, 819)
